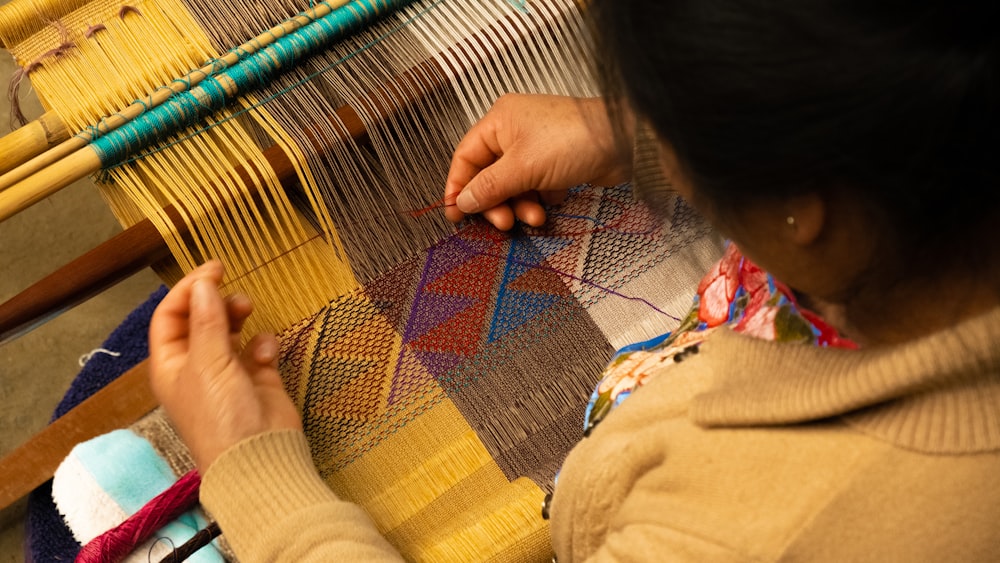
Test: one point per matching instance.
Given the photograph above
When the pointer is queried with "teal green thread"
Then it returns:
(520, 6)
(187, 108)
(278, 94)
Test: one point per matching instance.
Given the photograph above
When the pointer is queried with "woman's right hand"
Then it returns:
(529, 148)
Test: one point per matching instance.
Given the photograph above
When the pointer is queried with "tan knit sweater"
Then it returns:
(749, 450)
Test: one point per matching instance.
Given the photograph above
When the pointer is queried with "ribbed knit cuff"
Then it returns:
(261, 481)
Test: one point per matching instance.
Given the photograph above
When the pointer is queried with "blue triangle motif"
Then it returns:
(522, 256)
(550, 246)
(516, 309)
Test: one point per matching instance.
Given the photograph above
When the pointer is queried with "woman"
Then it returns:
(844, 147)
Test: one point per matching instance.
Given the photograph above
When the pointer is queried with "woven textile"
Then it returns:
(444, 395)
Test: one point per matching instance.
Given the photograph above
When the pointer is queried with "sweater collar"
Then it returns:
(939, 393)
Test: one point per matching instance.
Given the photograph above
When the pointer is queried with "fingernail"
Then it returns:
(267, 351)
(239, 299)
(466, 202)
(201, 293)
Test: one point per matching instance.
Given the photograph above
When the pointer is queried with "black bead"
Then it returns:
(545, 506)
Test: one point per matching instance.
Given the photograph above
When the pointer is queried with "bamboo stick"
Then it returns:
(29, 141)
(141, 245)
(261, 67)
(46, 182)
(134, 249)
(43, 143)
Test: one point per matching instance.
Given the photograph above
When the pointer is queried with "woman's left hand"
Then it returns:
(214, 393)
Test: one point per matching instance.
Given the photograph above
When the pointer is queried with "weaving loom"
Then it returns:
(442, 375)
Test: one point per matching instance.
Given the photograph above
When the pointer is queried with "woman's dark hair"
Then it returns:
(896, 100)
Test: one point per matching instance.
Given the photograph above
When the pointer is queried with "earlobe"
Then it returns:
(806, 218)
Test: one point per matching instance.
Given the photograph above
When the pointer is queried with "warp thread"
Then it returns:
(17, 118)
(187, 108)
(115, 544)
(198, 541)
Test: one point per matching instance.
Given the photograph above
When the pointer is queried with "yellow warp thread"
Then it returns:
(271, 251)
(462, 509)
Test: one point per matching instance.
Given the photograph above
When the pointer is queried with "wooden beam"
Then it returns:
(119, 404)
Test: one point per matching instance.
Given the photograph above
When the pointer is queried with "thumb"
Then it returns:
(495, 184)
(210, 338)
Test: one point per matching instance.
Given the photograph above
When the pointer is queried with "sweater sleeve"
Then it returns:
(272, 505)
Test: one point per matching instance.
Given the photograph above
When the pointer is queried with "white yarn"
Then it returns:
(86, 357)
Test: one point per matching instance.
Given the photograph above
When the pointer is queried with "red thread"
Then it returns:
(115, 544)
(439, 204)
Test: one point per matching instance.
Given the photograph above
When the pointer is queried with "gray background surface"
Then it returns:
(37, 368)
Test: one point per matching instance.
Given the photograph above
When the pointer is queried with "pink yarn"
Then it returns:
(115, 544)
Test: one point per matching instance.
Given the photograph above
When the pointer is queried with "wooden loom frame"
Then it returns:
(129, 397)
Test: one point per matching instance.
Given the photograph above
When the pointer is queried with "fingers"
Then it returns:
(262, 350)
(528, 210)
(210, 341)
(169, 324)
(238, 309)
(501, 216)
(554, 197)
(477, 150)
(495, 184)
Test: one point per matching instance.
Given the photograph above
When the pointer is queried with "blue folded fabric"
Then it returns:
(46, 536)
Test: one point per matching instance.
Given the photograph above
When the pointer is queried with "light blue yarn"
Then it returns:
(187, 108)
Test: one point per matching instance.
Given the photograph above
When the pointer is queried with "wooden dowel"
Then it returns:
(46, 182)
(128, 398)
(50, 140)
(119, 404)
(30, 141)
(113, 261)
(101, 272)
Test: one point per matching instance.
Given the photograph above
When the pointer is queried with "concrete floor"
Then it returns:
(36, 369)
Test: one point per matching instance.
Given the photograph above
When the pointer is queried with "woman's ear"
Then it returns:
(806, 218)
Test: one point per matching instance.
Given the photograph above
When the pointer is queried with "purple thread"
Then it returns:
(573, 277)
(17, 118)
(90, 31)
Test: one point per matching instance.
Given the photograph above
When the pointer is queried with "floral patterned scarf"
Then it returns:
(737, 294)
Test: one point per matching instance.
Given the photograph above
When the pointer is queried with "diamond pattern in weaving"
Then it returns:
(606, 240)
(496, 324)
